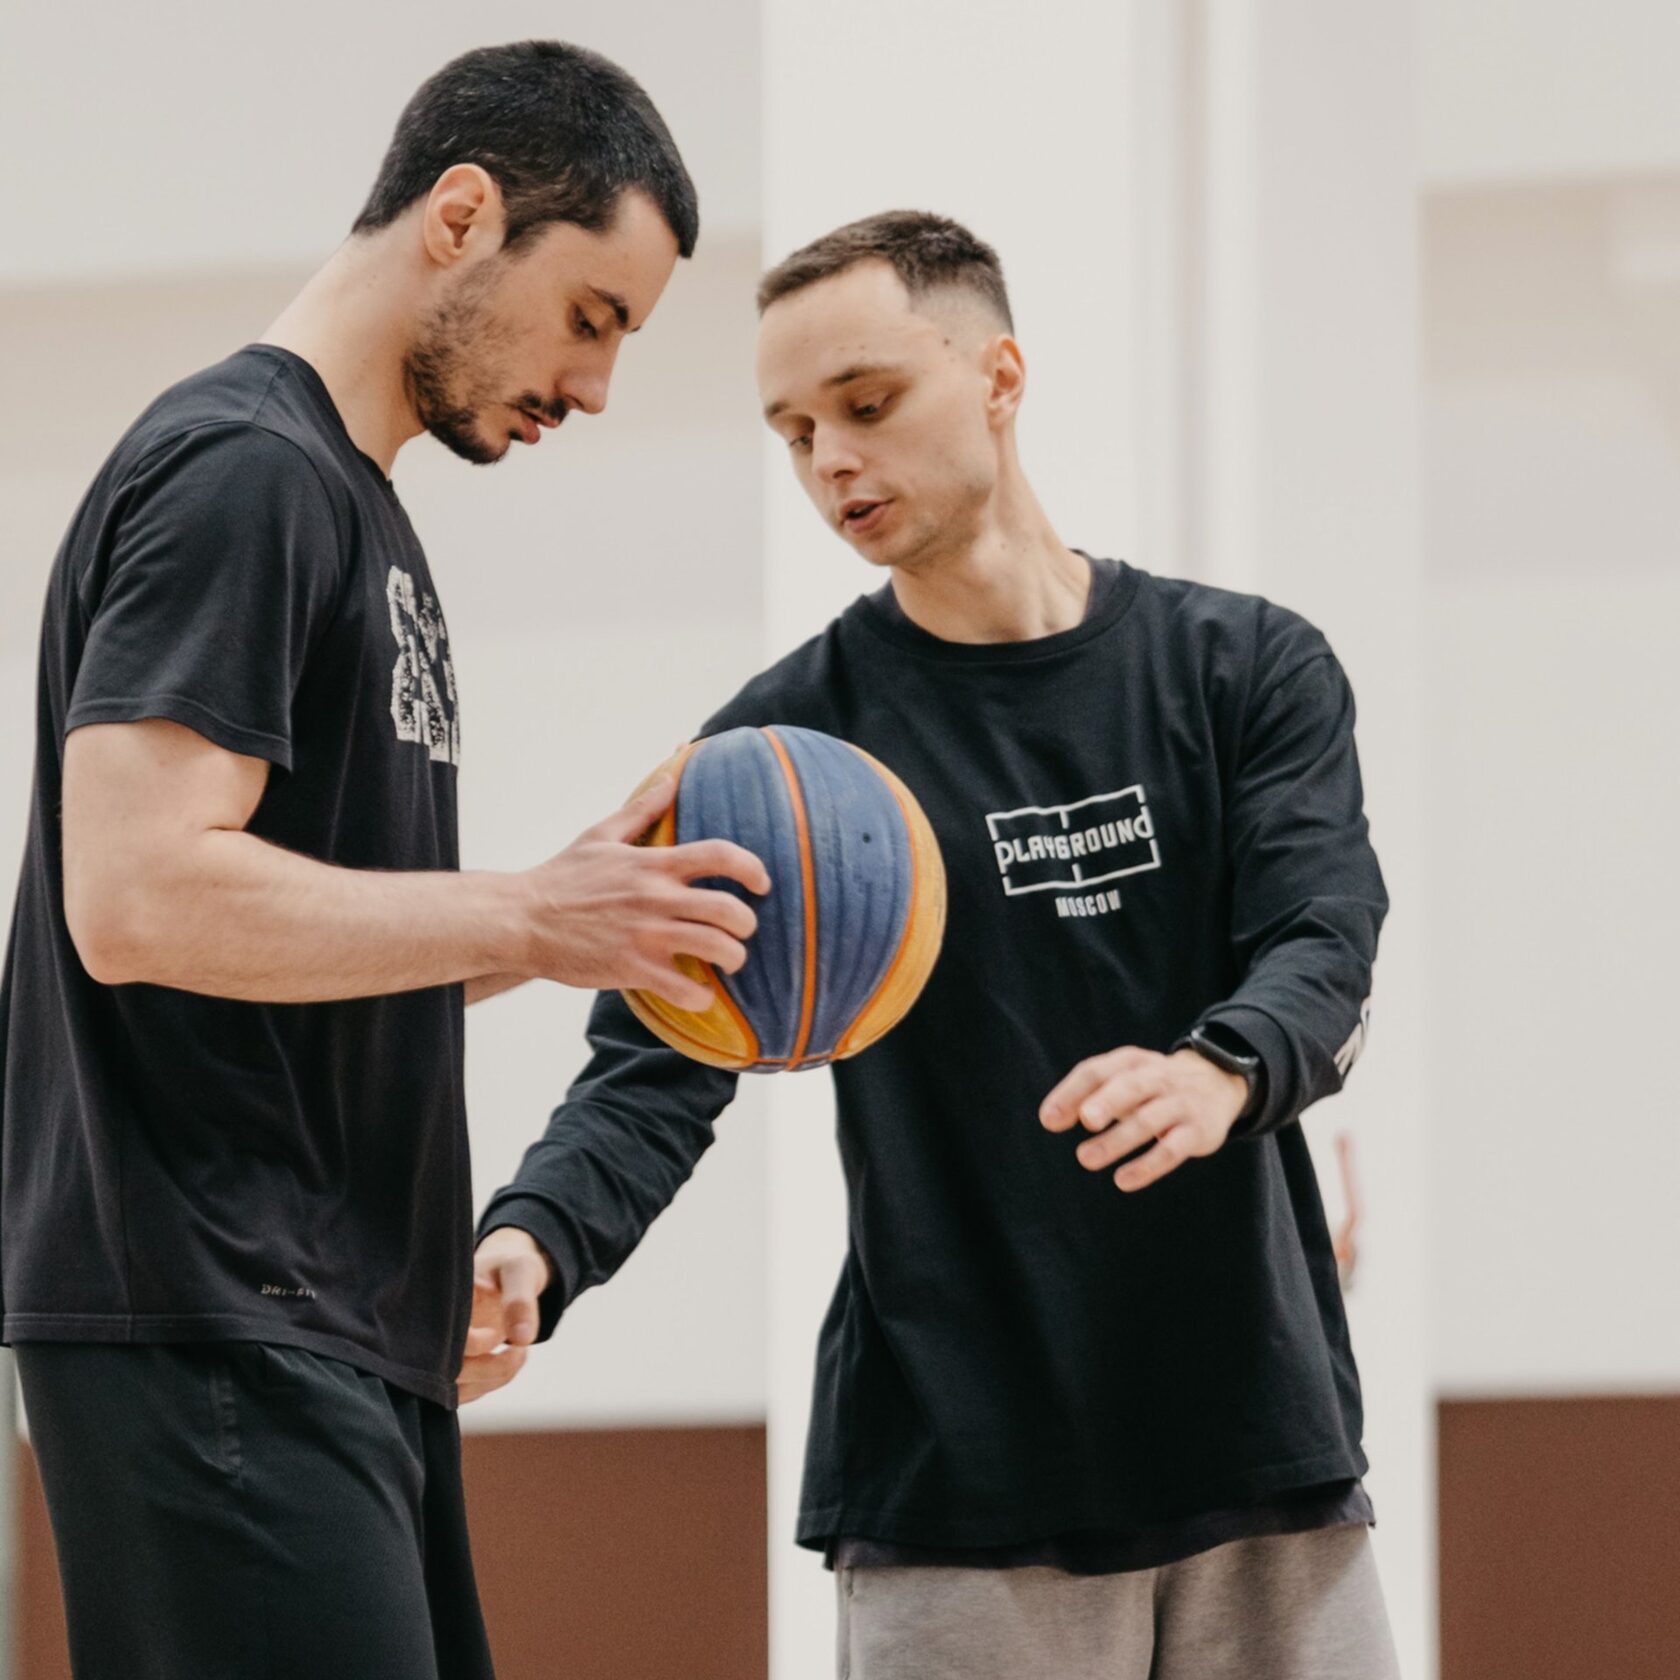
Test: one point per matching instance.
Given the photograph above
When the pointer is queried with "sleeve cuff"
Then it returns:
(190, 714)
(535, 1217)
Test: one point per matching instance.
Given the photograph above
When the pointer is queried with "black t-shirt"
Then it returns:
(186, 1168)
(1149, 821)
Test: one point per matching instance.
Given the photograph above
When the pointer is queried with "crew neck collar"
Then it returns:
(316, 387)
(1113, 586)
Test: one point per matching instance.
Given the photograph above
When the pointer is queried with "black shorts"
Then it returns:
(239, 1511)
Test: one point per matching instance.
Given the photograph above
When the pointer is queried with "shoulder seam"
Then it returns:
(1281, 683)
(1306, 664)
(252, 425)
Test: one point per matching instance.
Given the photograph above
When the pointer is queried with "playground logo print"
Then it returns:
(1073, 849)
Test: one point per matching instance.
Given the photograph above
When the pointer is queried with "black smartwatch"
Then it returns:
(1245, 1062)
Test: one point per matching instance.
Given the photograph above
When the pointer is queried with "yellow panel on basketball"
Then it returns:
(717, 1036)
(664, 832)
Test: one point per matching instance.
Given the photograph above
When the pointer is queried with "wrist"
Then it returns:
(511, 1241)
(508, 924)
(1233, 1058)
(1224, 1095)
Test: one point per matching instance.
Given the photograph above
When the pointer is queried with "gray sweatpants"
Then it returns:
(1284, 1607)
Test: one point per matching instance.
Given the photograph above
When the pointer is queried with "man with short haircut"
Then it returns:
(236, 1210)
(1085, 1404)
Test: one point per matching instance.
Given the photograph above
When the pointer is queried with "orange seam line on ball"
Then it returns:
(808, 878)
(734, 1011)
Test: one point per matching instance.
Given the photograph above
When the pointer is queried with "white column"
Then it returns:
(1300, 478)
(1017, 122)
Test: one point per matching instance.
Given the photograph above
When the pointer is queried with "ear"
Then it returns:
(1006, 379)
(463, 215)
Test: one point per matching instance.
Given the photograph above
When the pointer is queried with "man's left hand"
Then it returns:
(1178, 1105)
(510, 1273)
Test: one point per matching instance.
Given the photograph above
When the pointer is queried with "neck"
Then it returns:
(1014, 582)
(350, 323)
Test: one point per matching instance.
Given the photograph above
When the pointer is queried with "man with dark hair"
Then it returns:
(236, 1209)
(1081, 1410)
(563, 131)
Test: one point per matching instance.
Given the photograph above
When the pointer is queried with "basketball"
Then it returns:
(852, 925)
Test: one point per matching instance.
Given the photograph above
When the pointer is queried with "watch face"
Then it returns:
(1232, 1060)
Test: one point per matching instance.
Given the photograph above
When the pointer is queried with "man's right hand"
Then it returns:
(510, 1273)
(610, 915)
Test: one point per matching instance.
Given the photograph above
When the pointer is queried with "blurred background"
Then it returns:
(1371, 306)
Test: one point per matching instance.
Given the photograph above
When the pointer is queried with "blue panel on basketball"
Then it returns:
(734, 787)
(860, 851)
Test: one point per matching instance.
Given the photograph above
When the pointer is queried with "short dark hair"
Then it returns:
(927, 252)
(562, 131)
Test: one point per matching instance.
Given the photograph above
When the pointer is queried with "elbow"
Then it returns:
(105, 929)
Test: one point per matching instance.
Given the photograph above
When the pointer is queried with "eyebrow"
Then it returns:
(620, 309)
(846, 376)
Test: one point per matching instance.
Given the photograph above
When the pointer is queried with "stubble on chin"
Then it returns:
(437, 373)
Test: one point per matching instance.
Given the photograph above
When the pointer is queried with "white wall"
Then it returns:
(1298, 475)
(1553, 462)
(1517, 90)
(605, 602)
(190, 134)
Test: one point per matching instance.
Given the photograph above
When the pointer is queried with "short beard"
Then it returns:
(435, 370)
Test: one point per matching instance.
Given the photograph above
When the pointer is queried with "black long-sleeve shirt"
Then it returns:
(1149, 821)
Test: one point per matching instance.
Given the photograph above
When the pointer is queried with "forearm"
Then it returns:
(164, 884)
(229, 915)
(591, 1188)
(1307, 895)
(492, 985)
(616, 1152)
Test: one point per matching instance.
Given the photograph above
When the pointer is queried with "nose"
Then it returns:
(833, 460)
(585, 385)
(588, 392)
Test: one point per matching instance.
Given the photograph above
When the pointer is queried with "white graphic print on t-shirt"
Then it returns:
(423, 703)
(1072, 848)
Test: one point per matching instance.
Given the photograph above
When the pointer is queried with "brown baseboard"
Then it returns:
(619, 1554)
(622, 1554)
(38, 1641)
(1560, 1538)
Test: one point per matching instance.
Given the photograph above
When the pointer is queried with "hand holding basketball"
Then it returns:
(609, 914)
